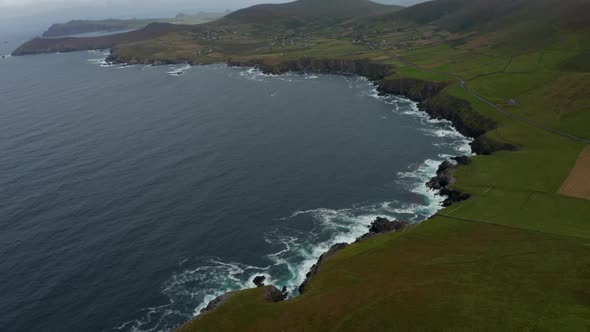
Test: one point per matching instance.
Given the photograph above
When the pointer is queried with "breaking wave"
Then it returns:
(177, 71)
(102, 60)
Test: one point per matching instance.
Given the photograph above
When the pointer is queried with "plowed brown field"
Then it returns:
(578, 182)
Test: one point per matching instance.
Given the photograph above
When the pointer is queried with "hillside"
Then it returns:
(311, 9)
(72, 44)
(491, 15)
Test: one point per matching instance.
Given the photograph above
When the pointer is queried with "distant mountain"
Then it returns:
(523, 23)
(311, 9)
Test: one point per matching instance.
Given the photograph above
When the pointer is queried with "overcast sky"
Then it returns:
(118, 8)
(71, 9)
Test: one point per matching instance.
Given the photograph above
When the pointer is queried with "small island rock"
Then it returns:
(259, 281)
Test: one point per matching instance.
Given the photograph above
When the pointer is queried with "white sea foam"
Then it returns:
(439, 128)
(101, 52)
(295, 251)
(102, 60)
(254, 74)
(330, 227)
(177, 71)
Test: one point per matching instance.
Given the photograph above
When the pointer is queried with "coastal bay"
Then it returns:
(285, 175)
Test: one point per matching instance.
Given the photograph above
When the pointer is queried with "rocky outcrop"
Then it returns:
(415, 89)
(382, 226)
(445, 178)
(217, 302)
(274, 295)
(484, 145)
(462, 160)
(453, 196)
(259, 281)
(467, 121)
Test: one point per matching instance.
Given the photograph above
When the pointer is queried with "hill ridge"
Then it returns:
(338, 9)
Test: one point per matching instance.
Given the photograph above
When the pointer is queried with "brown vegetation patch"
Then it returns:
(478, 42)
(578, 182)
(568, 94)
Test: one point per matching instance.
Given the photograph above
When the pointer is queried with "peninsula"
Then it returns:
(78, 27)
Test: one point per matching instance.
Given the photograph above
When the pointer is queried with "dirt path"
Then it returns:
(578, 182)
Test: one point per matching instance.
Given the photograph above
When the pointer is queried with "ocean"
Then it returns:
(130, 196)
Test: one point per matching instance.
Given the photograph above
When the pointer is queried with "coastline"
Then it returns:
(419, 91)
(438, 183)
(430, 99)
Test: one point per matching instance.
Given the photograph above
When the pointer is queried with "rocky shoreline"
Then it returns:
(440, 182)
(431, 100)
(274, 295)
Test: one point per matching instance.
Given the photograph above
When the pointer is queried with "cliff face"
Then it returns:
(415, 89)
(466, 120)
(360, 67)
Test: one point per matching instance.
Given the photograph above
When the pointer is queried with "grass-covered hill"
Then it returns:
(514, 75)
(326, 10)
(494, 15)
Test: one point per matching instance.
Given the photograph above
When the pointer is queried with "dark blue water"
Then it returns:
(130, 196)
